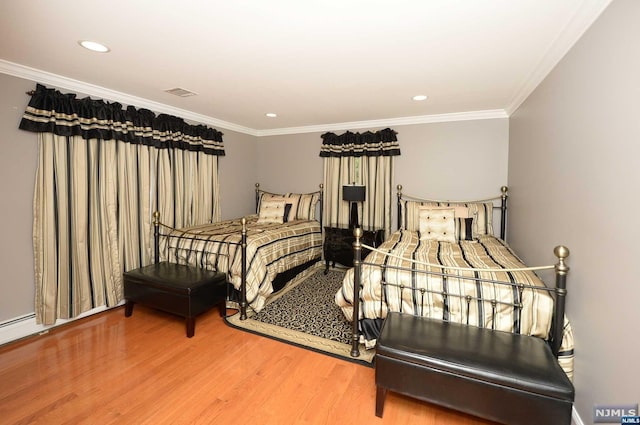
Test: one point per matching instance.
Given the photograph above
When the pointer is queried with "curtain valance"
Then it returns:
(379, 143)
(50, 111)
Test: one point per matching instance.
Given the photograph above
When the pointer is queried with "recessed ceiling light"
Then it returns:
(419, 97)
(94, 46)
(271, 115)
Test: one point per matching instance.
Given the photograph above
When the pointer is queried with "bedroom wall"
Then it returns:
(18, 162)
(450, 160)
(17, 176)
(573, 170)
(237, 174)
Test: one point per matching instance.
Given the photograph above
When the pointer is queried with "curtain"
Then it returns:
(102, 171)
(362, 158)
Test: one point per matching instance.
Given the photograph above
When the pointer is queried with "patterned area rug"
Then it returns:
(304, 313)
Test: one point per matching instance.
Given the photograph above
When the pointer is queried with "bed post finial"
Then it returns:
(357, 265)
(562, 252)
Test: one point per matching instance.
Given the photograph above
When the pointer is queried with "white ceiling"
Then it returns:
(318, 64)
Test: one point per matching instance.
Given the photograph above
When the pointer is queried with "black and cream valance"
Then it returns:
(379, 143)
(50, 111)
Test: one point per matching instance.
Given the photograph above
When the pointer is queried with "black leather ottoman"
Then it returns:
(175, 288)
(500, 376)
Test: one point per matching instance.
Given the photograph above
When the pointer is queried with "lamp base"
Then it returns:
(353, 216)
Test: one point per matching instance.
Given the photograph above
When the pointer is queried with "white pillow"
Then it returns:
(438, 224)
(286, 200)
(271, 211)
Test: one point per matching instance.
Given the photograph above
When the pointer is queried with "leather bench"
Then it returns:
(175, 288)
(504, 377)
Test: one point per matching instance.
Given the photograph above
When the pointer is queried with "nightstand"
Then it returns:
(338, 244)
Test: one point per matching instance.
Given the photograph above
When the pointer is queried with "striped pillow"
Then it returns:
(307, 202)
(464, 229)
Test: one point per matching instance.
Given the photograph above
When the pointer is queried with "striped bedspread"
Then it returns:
(459, 297)
(271, 249)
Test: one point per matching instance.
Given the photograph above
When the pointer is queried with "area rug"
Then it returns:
(304, 314)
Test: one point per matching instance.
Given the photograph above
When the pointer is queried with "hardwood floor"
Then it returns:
(108, 369)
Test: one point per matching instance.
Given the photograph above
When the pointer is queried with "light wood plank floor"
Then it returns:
(108, 369)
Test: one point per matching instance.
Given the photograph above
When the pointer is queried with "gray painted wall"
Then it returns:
(439, 160)
(574, 172)
(18, 160)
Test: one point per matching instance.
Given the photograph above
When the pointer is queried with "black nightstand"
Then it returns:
(338, 244)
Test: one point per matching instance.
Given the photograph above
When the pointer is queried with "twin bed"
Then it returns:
(444, 262)
(259, 253)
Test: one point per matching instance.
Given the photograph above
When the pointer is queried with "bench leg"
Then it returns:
(381, 395)
(191, 326)
(223, 308)
(128, 308)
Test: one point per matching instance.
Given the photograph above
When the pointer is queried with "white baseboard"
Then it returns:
(24, 326)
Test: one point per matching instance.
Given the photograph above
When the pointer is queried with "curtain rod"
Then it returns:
(31, 92)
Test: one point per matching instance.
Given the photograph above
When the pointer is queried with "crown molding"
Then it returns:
(584, 17)
(65, 83)
(422, 119)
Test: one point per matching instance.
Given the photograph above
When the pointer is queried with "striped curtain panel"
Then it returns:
(362, 158)
(338, 172)
(98, 181)
(377, 177)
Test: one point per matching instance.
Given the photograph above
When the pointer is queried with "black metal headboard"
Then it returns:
(502, 198)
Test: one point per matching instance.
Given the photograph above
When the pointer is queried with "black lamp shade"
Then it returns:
(353, 193)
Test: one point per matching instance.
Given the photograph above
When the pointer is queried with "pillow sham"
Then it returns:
(291, 215)
(271, 211)
(266, 196)
(437, 224)
(306, 204)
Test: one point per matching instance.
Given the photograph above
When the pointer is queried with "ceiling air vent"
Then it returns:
(180, 92)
